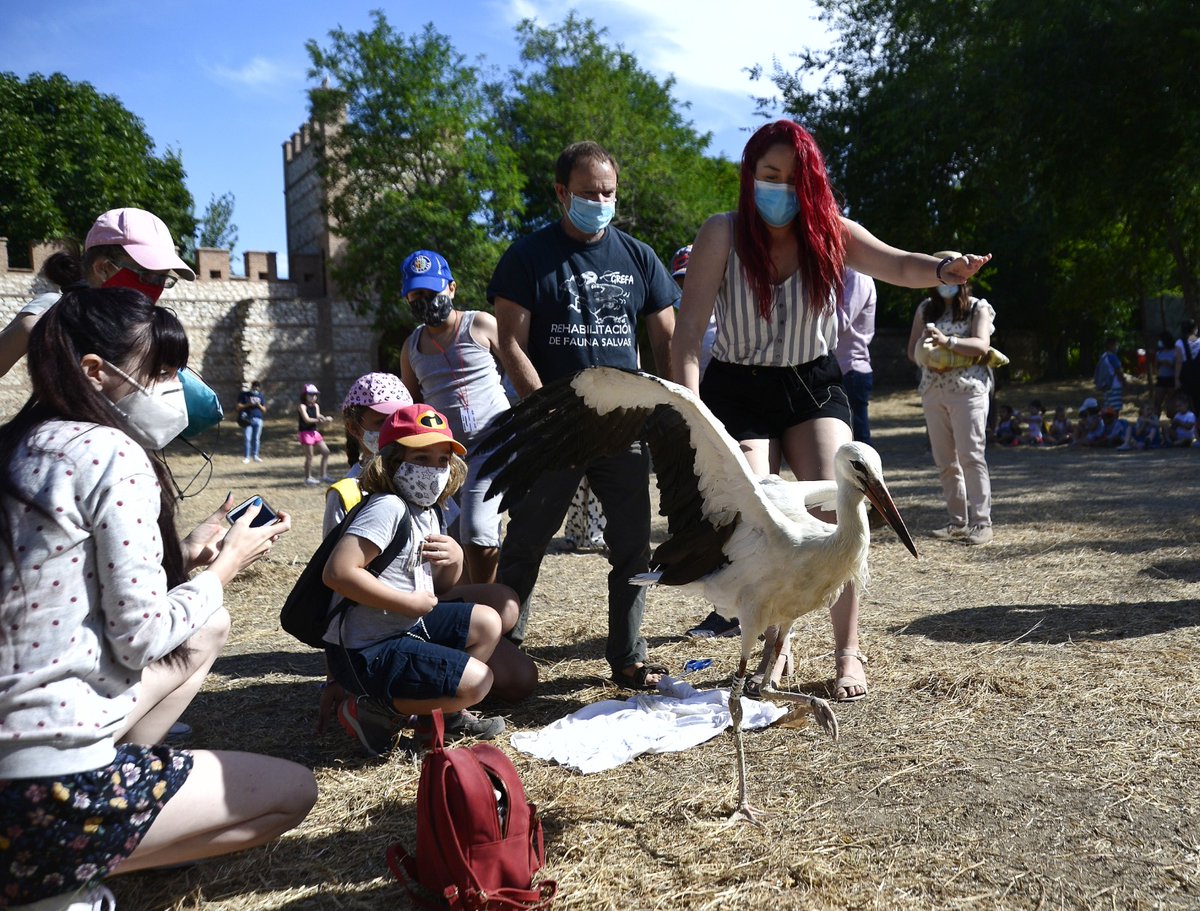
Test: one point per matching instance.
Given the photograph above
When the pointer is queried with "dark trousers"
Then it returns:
(858, 391)
(621, 483)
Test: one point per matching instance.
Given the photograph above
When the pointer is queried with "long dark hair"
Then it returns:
(125, 329)
(960, 305)
(820, 237)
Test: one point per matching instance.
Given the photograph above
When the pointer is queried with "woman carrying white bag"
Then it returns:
(951, 342)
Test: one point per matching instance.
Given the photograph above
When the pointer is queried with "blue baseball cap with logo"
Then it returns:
(426, 270)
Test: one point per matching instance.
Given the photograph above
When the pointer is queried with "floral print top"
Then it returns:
(976, 378)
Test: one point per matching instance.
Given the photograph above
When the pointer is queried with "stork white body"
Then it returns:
(747, 544)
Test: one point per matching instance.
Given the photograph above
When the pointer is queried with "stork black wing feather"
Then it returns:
(694, 544)
(555, 428)
(552, 429)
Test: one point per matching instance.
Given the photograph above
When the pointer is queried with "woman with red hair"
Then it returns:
(772, 272)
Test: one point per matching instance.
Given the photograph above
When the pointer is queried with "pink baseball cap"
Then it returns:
(382, 392)
(145, 238)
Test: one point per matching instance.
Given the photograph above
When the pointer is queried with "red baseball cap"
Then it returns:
(417, 426)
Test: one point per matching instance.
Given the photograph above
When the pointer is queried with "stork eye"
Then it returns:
(858, 466)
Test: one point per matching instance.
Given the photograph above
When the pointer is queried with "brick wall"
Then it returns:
(241, 330)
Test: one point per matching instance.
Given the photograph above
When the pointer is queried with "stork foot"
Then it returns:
(822, 711)
(747, 813)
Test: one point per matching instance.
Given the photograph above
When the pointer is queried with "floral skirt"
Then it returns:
(64, 833)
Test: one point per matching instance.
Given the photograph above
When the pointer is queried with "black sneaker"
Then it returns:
(370, 722)
(459, 725)
(714, 626)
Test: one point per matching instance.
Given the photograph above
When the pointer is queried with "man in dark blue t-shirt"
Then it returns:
(568, 297)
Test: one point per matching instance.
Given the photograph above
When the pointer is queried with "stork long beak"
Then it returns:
(877, 493)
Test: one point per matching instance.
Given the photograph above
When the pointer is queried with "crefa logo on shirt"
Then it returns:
(606, 295)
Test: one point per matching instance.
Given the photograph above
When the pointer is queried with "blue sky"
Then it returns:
(224, 82)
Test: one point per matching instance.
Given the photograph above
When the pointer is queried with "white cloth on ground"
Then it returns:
(607, 734)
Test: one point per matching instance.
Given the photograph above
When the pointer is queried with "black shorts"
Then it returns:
(760, 403)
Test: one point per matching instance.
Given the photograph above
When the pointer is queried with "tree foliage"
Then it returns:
(217, 229)
(413, 161)
(70, 153)
(421, 152)
(1064, 138)
(572, 86)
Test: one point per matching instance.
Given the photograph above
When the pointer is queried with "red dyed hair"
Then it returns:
(820, 238)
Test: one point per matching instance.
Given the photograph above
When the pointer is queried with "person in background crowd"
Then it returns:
(309, 418)
(856, 328)
(955, 401)
(251, 410)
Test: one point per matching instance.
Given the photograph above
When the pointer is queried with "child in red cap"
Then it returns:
(414, 640)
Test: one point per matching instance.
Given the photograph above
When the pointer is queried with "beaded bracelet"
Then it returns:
(940, 266)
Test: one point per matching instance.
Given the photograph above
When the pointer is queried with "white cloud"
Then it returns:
(257, 74)
(707, 45)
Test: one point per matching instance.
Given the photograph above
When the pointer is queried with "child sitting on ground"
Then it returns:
(1182, 431)
(1008, 428)
(1033, 429)
(1060, 432)
(412, 641)
(1145, 433)
(1089, 421)
(1110, 430)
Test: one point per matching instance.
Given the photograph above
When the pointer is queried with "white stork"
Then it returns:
(747, 544)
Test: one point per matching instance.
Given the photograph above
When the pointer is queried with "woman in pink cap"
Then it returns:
(126, 248)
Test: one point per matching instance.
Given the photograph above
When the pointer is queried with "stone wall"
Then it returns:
(241, 330)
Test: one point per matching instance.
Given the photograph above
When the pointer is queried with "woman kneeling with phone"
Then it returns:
(105, 638)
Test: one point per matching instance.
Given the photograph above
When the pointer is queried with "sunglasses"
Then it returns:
(154, 279)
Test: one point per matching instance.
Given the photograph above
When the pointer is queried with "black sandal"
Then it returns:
(637, 679)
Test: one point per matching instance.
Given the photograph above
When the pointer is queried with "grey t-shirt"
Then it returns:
(377, 522)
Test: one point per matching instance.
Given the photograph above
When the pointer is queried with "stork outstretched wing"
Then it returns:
(706, 486)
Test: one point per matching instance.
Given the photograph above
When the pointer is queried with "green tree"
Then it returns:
(413, 160)
(217, 230)
(70, 153)
(1062, 138)
(573, 86)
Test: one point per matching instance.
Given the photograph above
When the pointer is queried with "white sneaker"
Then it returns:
(245, 461)
(257, 459)
(97, 898)
(946, 532)
(979, 534)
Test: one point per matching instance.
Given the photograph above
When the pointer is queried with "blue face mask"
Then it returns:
(776, 202)
(203, 407)
(590, 217)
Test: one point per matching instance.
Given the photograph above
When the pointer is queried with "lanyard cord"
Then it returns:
(460, 391)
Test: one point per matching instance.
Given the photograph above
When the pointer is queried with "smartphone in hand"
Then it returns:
(266, 515)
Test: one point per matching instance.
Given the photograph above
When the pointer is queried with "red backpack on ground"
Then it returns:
(479, 842)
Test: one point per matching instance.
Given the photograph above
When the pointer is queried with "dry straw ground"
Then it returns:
(1029, 741)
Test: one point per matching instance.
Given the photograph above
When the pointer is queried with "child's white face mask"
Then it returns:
(421, 484)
